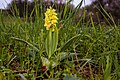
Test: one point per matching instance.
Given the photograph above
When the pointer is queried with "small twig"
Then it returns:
(76, 56)
(21, 71)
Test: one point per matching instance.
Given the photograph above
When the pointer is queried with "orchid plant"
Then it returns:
(52, 39)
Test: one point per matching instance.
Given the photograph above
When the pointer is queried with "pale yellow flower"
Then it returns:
(50, 19)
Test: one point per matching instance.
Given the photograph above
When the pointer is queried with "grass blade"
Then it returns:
(69, 42)
(21, 40)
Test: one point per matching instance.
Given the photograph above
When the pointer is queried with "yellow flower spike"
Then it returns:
(50, 19)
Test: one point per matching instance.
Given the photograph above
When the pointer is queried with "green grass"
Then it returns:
(94, 55)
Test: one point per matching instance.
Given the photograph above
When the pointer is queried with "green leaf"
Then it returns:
(65, 55)
(78, 6)
(107, 75)
(55, 40)
(69, 42)
(48, 44)
(90, 37)
(51, 42)
(66, 8)
(21, 40)
(117, 67)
